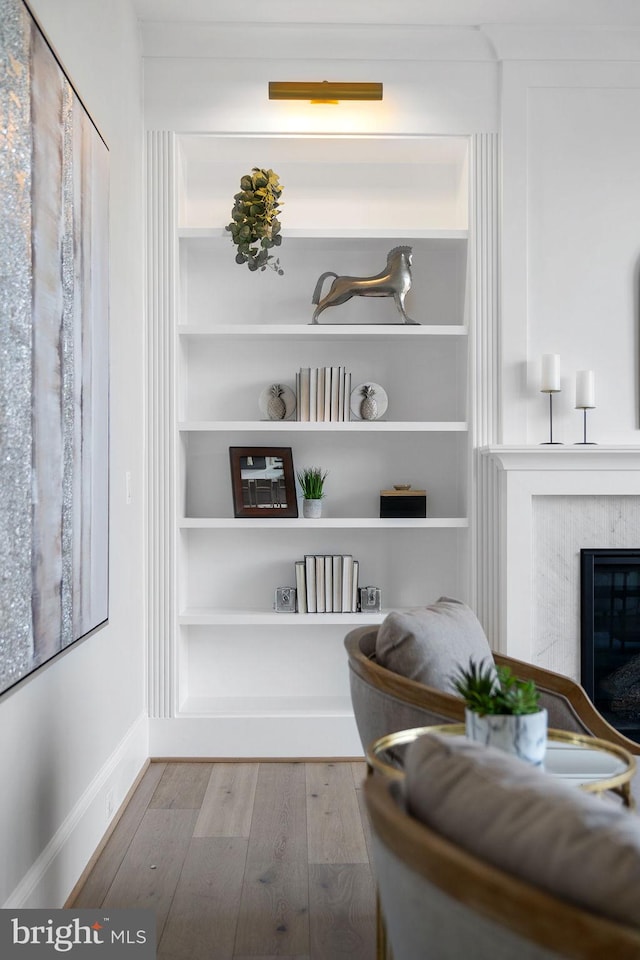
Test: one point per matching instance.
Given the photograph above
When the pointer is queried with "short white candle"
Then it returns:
(585, 390)
(550, 373)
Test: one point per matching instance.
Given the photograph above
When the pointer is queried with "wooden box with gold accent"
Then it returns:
(405, 504)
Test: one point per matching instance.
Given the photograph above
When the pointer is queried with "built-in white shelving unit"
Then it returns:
(235, 662)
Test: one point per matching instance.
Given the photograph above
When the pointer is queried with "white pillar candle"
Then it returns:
(585, 390)
(550, 381)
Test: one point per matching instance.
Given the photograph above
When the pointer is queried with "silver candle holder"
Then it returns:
(585, 400)
(551, 384)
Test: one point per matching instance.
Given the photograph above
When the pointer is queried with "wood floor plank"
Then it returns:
(279, 823)
(182, 786)
(201, 924)
(227, 806)
(335, 833)
(366, 826)
(151, 867)
(108, 863)
(343, 911)
(274, 911)
(359, 771)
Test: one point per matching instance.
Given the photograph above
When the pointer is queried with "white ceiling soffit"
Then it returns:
(296, 41)
(594, 13)
(379, 30)
(564, 43)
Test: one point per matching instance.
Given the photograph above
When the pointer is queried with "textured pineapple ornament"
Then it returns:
(276, 407)
(368, 404)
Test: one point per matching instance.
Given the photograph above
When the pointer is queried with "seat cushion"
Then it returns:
(576, 846)
(430, 644)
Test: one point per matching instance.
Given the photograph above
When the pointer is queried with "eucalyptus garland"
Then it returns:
(254, 226)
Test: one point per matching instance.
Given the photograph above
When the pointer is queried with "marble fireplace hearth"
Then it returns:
(538, 507)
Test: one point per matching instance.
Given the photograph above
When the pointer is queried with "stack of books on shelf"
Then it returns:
(323, 394)
(327, 584)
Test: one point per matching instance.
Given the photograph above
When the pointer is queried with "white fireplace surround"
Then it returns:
(545, 504)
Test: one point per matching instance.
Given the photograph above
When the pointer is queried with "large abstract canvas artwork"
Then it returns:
(54, 443)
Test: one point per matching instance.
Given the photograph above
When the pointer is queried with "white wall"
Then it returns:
(230, 95)
(571, 250)
(77, 729)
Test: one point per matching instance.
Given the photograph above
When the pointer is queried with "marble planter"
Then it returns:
(312, 509)
(525, 736)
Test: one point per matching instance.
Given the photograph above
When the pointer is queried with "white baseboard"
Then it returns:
(255, 737)
(53, 875)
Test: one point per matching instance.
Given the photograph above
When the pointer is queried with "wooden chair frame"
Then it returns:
(555, 689)
(519, 907)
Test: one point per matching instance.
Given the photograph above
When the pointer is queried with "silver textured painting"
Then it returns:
(54, 443)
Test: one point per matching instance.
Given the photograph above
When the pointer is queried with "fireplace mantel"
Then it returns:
(561, 457)
(529, 543)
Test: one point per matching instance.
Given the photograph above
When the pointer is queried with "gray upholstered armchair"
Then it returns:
(385, 701)
(442, 899)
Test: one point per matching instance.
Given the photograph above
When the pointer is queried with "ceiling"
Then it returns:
(592, 13)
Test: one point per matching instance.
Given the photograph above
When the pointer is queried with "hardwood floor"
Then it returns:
(268, 861)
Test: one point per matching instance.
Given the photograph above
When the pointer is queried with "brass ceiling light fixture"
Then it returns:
(324, 91)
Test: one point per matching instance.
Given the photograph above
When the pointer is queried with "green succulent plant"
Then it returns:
(311, 481)
(254, 226)
(489, 690)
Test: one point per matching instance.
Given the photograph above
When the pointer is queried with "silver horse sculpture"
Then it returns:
(394, 281)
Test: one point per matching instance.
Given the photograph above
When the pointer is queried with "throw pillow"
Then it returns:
(547, 832)
(431, 643)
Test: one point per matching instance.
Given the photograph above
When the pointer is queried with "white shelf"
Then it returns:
(204, 616)
(311, 233)
(303, 426)
(324, 523)
(292, 331)
(260, 707)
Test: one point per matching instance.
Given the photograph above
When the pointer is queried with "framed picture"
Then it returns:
(54, 357)
(263, 482)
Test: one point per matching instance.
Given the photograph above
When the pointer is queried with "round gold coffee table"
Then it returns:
(591, 764)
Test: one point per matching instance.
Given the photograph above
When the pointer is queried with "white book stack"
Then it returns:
(327, 583)
(323, 394)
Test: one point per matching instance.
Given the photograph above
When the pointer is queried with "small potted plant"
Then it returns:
(311, 481)
(503, 711)
(254, 226)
